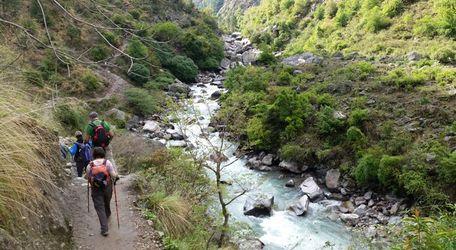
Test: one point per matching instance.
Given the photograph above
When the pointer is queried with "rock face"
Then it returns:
(350, 219)
(301, 207)
(151, 126)
(116, 114)
(267, 160)
(293, 167)
(302, 59)
(332, 179)
(311, 188)
(259, 206)
(250, 56)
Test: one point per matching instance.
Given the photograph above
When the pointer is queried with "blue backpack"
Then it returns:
(84, 153)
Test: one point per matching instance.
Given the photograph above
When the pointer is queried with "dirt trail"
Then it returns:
(134, 231)
(117, 85)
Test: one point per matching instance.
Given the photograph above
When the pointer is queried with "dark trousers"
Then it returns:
(80, 166)
(102, 203)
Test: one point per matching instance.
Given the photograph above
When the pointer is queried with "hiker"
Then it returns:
(81, 153)
(99, 133)
(101, 175)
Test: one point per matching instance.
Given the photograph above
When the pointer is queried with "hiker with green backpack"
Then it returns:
(99, 134)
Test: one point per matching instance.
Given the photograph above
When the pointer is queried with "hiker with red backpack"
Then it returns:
(102, 176)
(81, 152)
(98, 132)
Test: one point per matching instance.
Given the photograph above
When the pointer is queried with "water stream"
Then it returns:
(282, 230)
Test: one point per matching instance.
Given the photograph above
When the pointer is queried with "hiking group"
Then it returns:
(93, 155)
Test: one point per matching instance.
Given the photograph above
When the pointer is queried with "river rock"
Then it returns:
(350, 219)
(414, 56)
(177, 144)
(311, 188)
(370, 203)
(151, 126)
(225, 63)
(290, 183)
(368, 195)
(301, 206)
(360, 200)
(394, 208)
(251, 244)
(250, 56)
(348, 205)
(179, 88)
(361, 210)
(259, 206)
(216, 95)
(332, 178)
(267, 160)
(293, 167)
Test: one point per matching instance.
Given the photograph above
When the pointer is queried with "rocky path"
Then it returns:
(134, 231)
(117, 85)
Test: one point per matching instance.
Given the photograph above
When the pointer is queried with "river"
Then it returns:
(282, 230)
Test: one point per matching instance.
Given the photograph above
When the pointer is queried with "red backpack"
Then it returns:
(99, 176)
(100, 136)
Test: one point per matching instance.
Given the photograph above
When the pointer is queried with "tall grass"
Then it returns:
(29, 157)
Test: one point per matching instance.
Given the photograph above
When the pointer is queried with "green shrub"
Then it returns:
(355, 135)
(326, 122)
(366, 170)
(259, 136)
(294, 152)
(141, 101)
(445, 56)
(342, 18)
(326, 99)
(139, 74)
(426, 26)
(414, 183)
(248, 79)
(182, 67)
(90, 81)
(112, 38)
(358, 117)
(375, 20)
(446, 76)
(34, 77)
(166, 31)
(204, 48)
(392, 8)
(100, 52)
(446, 10)
(70, 116)
(389, 169)
(137, 49)
(161, 82)
(331, 9)
(401, 78)
(284, 78)
(267, 58)
(74, 35)
(447, 169)
(319, 13)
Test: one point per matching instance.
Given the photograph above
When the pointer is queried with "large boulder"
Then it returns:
(216, 95)
(311, 188)
(259, 206)
(177, 144)
(332, 179)
(250, 56)
(293, 167)
(302, 59)
(301, 206)
(350, 219)
(151, 126)
(116, 114)
(178, 88)
(225, 63)
(267, 160)
(251, 244)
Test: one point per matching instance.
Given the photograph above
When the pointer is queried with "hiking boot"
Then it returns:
(104, 233)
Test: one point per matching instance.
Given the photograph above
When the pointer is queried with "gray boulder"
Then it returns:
(350, 219)
(225, 63)
(348, 206)
(332, 179)
(301, 206)
(259, 206)
(302, 59)
(293, 167)
(267, 160)
(251, 244)
(361, 210)
(216, 95)
(179, 87)
(116, 114)
(311, 188)
(151, 126)
(177, 144)
(250, 56)
(414, 56)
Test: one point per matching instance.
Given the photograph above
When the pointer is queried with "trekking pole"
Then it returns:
(117, 209)
(88, 200)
